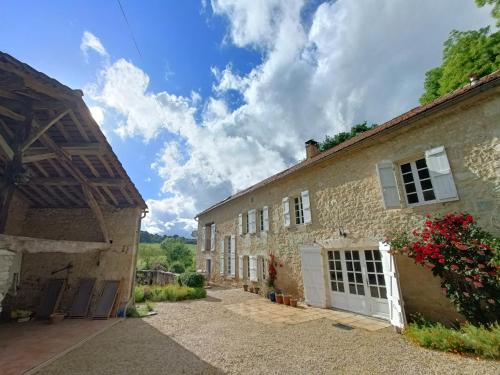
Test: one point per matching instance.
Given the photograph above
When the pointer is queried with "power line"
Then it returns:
(129, 28)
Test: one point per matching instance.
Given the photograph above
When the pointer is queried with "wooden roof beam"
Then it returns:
(41, 130)
(4, 145)
(68, 181)
(11, 114)
(71, 149)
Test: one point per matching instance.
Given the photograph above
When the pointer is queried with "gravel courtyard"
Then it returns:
(203, 337)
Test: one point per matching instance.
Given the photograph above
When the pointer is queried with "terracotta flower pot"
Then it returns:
(293, 302)
(279, 298)
(245, 287)
(286, 299)
(256, 290)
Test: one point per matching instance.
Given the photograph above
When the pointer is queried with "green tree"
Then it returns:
(495, 12)
(177, 251)
(337, 139)
(465, 53)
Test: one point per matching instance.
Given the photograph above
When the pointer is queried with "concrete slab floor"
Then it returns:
(264, 311)
(24, 346)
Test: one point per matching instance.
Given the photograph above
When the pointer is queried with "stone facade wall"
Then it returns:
(345, 195)
(115, 263)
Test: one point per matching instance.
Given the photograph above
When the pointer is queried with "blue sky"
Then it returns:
(225, 92)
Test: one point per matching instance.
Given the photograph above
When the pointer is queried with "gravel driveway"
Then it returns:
(202, 337)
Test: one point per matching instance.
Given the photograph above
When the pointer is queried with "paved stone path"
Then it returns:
(265, 312)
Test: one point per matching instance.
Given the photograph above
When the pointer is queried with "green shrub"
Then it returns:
(196, 293)
(481, 341)
(192, 279)
(139, 294)
(171, 292)
(149, 306)
(177, 267)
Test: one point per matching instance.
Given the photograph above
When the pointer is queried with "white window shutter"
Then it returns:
(233, 256)
(440, 172)
(396, 305)
(388, 185)
(240, 274)
(252, 227)
(265, 214)
(240, 224)
(313, 273)
(286, 212)
(306, 206)
(212, 237)
(253, 268)
(222, 257)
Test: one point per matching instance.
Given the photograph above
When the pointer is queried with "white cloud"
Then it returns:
(352, 61)
(91, 42)
(98, 114)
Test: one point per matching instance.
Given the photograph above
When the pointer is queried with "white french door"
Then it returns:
(357, 282)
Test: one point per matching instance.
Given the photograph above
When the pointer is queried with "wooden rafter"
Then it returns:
(97, 211)
(42, 129)
(69, 181)
(39, 157)
(87, 188)
(70, 149)
(4, 145)
(11, 114)
(79, 126)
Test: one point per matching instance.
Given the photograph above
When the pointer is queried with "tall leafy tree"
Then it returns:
(332, 141)
(176, 251)
(495, 12)
(465, 53)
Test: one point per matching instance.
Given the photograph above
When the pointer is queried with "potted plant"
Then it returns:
(245, 287)
(293, 302)
(20, 316)
(286, 299)
(271, 294)
(256, 289)
(279, 298)
(251, 289)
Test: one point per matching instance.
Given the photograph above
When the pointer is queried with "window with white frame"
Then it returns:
(246, 222)
(261, 220)
(299, 210)
(417, 182)
(427, 179)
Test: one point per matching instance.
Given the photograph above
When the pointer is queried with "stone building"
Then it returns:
(68, 209)
(325, 219)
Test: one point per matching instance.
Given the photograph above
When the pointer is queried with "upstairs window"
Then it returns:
(417, 182)
(261, 220)
(299, 210)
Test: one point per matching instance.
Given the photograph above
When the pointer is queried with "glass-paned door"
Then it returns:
(357, 281)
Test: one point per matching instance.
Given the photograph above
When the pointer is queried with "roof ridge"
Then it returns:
(421, 109)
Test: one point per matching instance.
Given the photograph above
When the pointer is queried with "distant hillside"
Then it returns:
(147, 237)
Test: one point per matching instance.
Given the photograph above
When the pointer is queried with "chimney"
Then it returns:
(312, 148)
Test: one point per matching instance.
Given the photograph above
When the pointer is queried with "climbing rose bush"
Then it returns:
(466, 258)
(271, 271)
